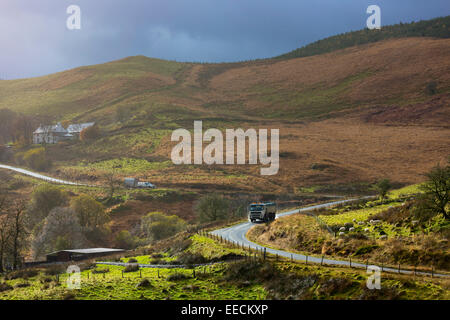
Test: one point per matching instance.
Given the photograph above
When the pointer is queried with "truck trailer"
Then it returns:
(263, 211)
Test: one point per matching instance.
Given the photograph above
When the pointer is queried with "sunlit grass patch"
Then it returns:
(210, 249)
(359, 215)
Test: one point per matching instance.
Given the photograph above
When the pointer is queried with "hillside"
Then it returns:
(346, 117)
(436, 28)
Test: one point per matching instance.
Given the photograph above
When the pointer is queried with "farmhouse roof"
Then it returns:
(58, 128)
(78, 127)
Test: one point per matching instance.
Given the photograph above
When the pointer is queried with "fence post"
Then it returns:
(193, 273)
(306, 259)
(350, 259)
(399, 268)
(264, 254)
(158, 273)
(140, 273)
(292, 257)
(321, 262)
(122, 274)
(367, 264)
(432, 271)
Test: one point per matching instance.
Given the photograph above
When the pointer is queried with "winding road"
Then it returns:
(41, 177)
(237, 234)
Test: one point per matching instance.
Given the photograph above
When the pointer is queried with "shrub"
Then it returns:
(125, 240)
(5, 287)
(90, 133)
(189, 259)
(44, 198)
(145, 283)
(100, 271)
(37, 159)
(180, 245)
(385, 293)
(131, 268)
(365, 249)
(68, 296)
(90, 212)
(212, 207)
(132, 260)
(157, 226)
(46, 280)
(250, 271)
(290, 286)
(333, 286)
(177, 277)
(22, 285)
(431, 88)
(22, 274)
(54, 270)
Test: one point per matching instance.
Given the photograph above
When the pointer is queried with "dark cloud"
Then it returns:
(34, 39)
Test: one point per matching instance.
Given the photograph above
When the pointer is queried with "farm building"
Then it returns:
(57, 133)
(75, 129)
(80, 254)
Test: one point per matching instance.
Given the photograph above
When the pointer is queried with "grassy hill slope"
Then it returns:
(372, 115)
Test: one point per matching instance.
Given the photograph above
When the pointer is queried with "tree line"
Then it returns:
(437, 28)
(16, 127)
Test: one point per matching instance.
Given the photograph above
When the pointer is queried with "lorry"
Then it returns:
(131, 182)
(263, 211)
(135, 183)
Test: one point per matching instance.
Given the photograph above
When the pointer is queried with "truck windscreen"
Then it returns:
(256, 208)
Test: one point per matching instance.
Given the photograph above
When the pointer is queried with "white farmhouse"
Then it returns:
(50, 134)
(57, 133)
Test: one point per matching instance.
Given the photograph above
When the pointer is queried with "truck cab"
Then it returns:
(263, 211)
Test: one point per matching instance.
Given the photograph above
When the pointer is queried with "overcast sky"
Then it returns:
(35, 40)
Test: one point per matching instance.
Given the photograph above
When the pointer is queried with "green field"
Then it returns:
(222, 281)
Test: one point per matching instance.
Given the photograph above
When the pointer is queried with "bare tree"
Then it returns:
(23, 130)
(4, 240)
(4, 232)
(112, 182)
(18, 231)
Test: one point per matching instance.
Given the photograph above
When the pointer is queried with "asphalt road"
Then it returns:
(237, 234)
(40, 176)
